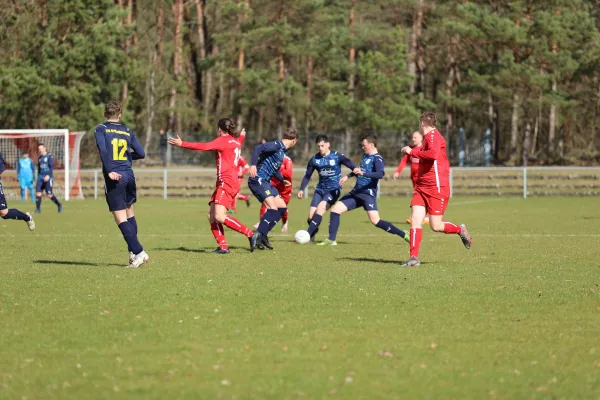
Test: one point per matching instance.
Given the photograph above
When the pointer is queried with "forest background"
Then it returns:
(526, 70)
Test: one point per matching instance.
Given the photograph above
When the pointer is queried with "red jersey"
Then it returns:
(414, 165)
(227, 153)
(243, 167)
(286, 171)
(434, 167)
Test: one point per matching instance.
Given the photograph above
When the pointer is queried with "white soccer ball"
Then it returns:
(302, 237)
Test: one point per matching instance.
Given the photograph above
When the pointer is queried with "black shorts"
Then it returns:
(120, 194)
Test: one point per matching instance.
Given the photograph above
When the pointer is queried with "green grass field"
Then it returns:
(517, 316)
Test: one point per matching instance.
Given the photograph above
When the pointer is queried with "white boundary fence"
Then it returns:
(501, 181)
(513, 182)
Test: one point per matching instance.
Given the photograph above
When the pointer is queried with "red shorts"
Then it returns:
(286, 197)
(435, 201)
(224, 196)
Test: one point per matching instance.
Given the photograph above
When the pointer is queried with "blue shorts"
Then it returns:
(120, 194)
(262, 189)
(364, 200)
(3, 203)
(26, 183)
(41, 186)
(330, 196)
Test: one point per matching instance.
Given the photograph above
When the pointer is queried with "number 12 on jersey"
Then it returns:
(119, 149)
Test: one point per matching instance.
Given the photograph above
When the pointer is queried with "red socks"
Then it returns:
(237, 226)
(450, 228)
(244, 197)
(217, 231)
(416, 234)
(263, 210)
(284, 218)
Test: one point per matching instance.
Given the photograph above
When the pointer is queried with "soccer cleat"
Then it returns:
(30, 223)
(284, 228)
(254, 239)
(247, 203)
(408, 220)
(256, 225)
(131, 257)
(60, 209)
(37, 211)
(412, 262)
(265, 242)
(465, 237)
(327, 242)
(231, 211)
(406, 236)
(139, 259)
(221, 251)
(426, 221)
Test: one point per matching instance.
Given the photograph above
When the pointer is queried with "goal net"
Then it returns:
(61, 143)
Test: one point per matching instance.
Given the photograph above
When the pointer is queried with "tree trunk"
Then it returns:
(201, 42)
(449, 86)
(160, 32)
(414, 47)
(43, 4)
(280, 107)
(552, 121)
(222, 95)
(151, 96)
(351, 79)
(309, 78)
(261, 117)
(208, 90)
(514, 126)
(174, 121)
(526, 144)
(241, 64)
(126, 47)
(536, 129)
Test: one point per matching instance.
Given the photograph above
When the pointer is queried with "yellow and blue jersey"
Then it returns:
(372, 166)
(118, 146)
(329, 168)
(268, 157)
(45, 166)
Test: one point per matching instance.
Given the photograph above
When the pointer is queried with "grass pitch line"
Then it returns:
(356, 235)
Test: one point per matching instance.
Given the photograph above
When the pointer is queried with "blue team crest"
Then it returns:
(332, 162)
(318, 161)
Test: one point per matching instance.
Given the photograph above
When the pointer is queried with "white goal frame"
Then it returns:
(47, 132)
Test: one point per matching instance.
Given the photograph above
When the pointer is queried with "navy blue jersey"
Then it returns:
(45, 165)
(329, 168)
(2, 167)
(268, 157)
(372, 165)
(117, 145)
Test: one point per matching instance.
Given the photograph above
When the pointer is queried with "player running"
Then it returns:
(266, 161)
(417, 138)
(26, 175)
(45, 179)
(287, 170)
(228, 148)
(118, 146)
(243, 169)
(432, 191)
(364, 193)
(328, 165)
(12, 213)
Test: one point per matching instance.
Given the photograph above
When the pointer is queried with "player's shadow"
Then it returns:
(200, 250)
(77, 263)
(373, 260)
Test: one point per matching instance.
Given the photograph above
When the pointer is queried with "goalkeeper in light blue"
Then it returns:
(26, 175)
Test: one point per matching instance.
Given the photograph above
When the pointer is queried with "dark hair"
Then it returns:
(290, 134)
(428, 119)
(321, 138)
(41, 144)
(227, 126)
(112, 109)
(371, 138)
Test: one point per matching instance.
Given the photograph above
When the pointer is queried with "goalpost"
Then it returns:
(61, 143)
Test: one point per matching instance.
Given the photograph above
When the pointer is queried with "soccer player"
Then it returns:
(228, 148)
(285, 191)
(12, 213)
(432, 191)
(266, 161)
(328, 165)
(45, 179)
(118, 146)
(26, 175)
(417, 138)
(243, 169)
(364, 193)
